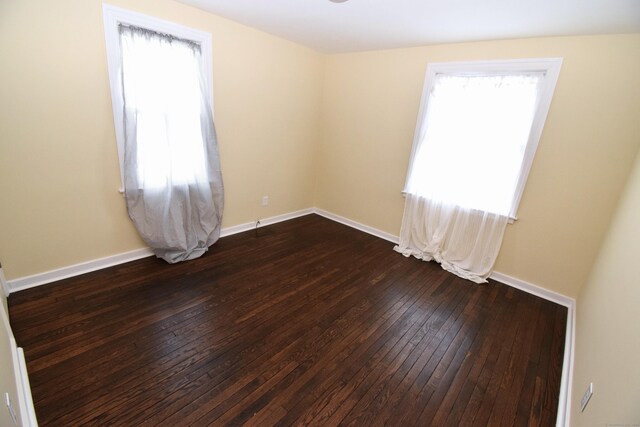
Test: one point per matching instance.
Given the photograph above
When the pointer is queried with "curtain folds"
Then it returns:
(466, 166)
(172, 177)
(464, 241)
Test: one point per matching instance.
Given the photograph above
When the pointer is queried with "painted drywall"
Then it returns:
(607, 319)
(306, 129)
(59, 172)
(370, 107)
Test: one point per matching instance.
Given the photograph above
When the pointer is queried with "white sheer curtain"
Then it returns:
(172, 179)
(465, 170)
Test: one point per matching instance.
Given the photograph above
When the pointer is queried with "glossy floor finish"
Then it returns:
(308, 322)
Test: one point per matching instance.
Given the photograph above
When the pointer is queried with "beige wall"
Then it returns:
(592, 133)
(59, 172)
(304, 128)
(608, 323)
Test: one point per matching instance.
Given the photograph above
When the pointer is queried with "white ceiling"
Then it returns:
(382, 24)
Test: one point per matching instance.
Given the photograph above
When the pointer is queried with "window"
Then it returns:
(160, 76)
(478, 129)
(159, 69)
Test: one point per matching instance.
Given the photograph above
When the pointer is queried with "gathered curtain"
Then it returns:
(466, 167)
(463, 241)
(172, 179)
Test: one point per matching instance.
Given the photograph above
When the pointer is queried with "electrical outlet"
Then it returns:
(265, 200)
(586, 396)
(7, 400)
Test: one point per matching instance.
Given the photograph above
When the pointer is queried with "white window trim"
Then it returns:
(113, 16)
(551, 69)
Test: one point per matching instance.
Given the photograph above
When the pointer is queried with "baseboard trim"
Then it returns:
(264, 222)
(26, 402)
(566, 384)
(358, 226)
(39, 279)
(533, 289)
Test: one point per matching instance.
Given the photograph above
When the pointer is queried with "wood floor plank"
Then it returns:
(540, 340)
(449, 409)
(370, 405)
(306, 322)
(210, 391)
(323, 378)
(363, 380)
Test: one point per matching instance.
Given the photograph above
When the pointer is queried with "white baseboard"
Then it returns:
(17, 390)
(28, 412)
(533, 289)
(566, 384)
(264, 222)
(353, 224)
(27, 282)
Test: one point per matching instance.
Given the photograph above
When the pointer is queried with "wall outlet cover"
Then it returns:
(586, 396)
(7, 401)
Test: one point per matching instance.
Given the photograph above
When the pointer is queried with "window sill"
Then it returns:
(511, 220)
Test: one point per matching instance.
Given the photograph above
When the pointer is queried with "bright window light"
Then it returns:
(160, 67)
(477, 134)
(161, 81)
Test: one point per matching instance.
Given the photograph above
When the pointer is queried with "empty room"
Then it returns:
(323, 212)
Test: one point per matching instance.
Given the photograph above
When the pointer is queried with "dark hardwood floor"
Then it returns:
(307, 323)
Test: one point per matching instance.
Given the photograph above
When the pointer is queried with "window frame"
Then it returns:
(114, 16)
(551, 69)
